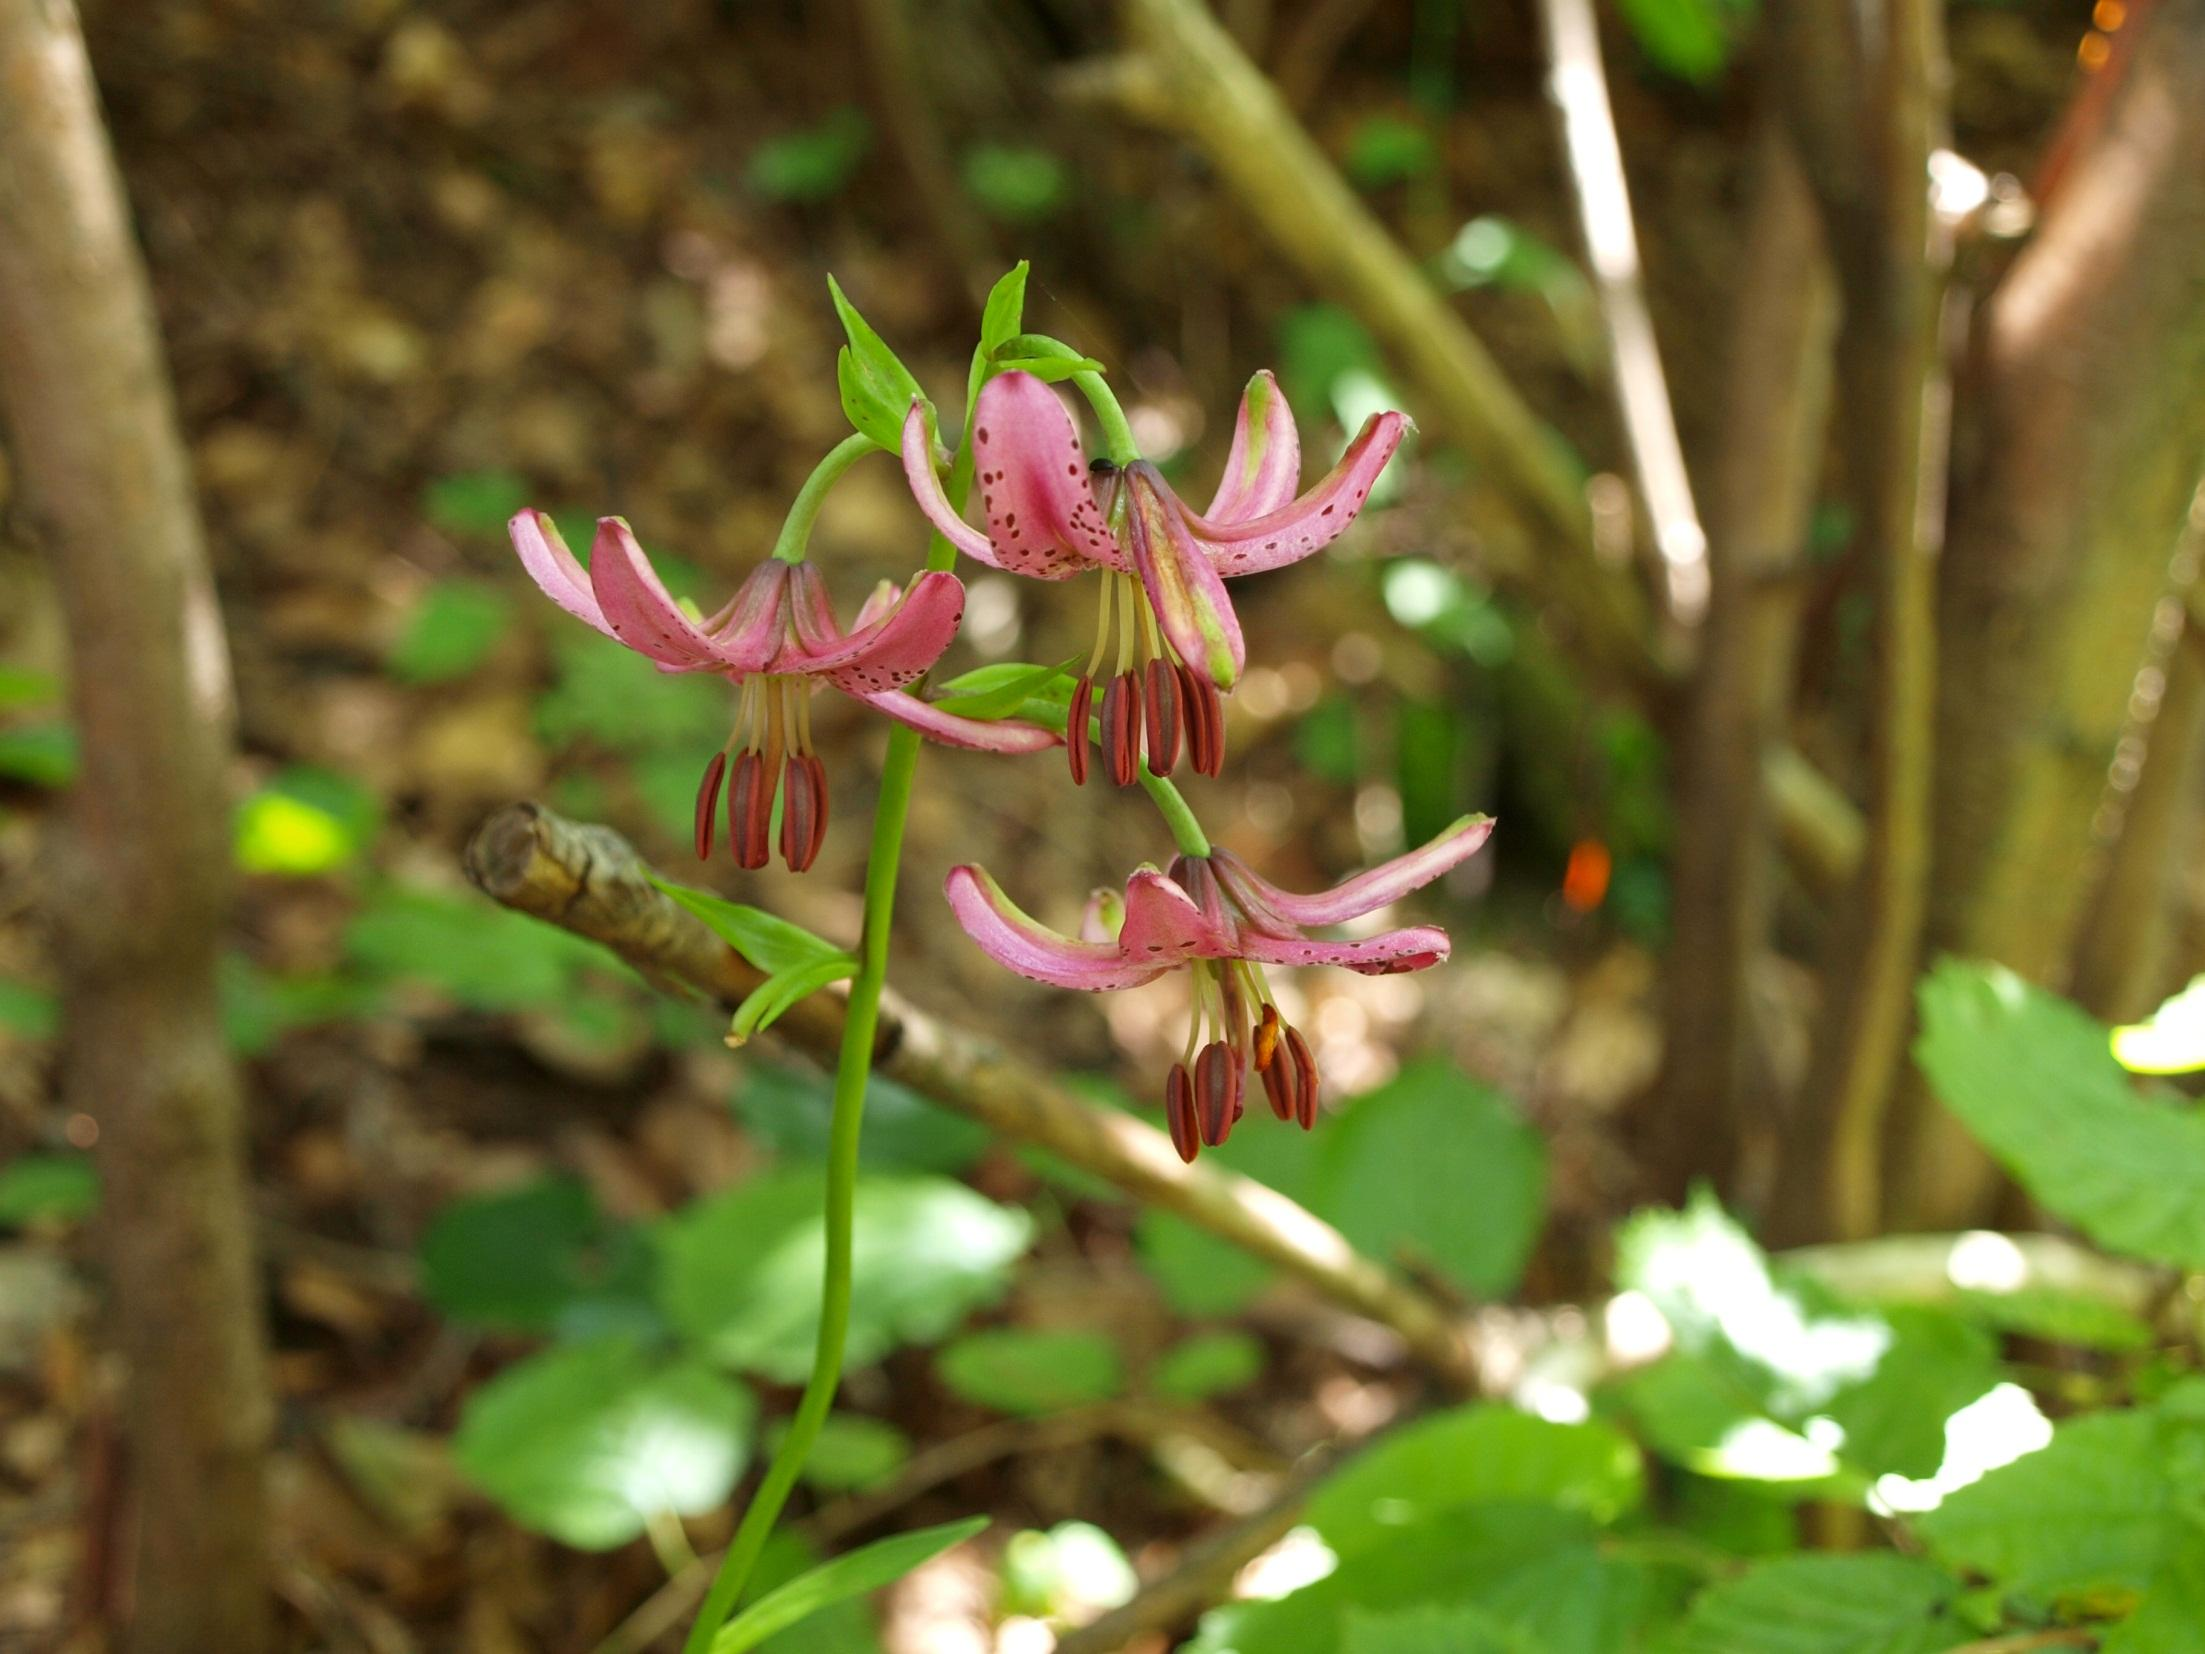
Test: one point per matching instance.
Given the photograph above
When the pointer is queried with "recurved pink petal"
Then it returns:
(1264, 466)
(926, 488)
(890, 652)
(951, 730)
(884, 596)
(1274, 909)
(1163, 924)
(1043, 518)
(1381, 955)
(544, 554)
(1184, 588)
(754, 625)
(643, 614)
(1314, 521)
(1019, 942)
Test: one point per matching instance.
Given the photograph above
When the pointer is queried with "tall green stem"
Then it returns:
(796, 527)
(852, 1067)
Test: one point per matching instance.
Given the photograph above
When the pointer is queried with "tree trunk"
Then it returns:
(2083, 402)
(140, 876)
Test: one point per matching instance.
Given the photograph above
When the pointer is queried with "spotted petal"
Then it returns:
(1264, 465)
(1279, 910)
(643, 614)
(888, 652)
(1382, 955)
(952, 730)
(1184, 588)
(1019, 942)
(543, 552)
(1309, 524)
(1043, 517)
(1162, 922)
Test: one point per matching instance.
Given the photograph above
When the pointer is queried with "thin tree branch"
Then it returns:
(1579, 86)
(589, 880)
(1892, 255)
(1762, 494)
(140, 879)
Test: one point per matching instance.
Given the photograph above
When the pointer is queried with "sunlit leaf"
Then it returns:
(1867, 1604)
(740, 1271)
(2171, 1040)
(587, 1442)
(2032, 1077)
(1068, 1573)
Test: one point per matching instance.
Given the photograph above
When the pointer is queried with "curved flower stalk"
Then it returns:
(776, 641)
(1167, 643)
(1214, 918)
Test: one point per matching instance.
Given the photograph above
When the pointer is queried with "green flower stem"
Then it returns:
(852, 1068)
(796, 527)
(1178, 814)
(1118, 443)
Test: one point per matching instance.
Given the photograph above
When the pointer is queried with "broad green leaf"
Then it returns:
(813, 164)
(1433, 1629)
(26, 1012)
(791, 1109)
(1702, 1414)
(877, 389)
(481, 955)
(1436, 1167)
(2167, 1621)
(2032, 1077)
(2059, 1317)
(47, 1188)
(740, 1271)
(474, 502)
(1894, 1420)
(853, 1452)
(1004, 314)
(1069, 1573)
(587, 1442)
(1019, 183)
(866, 1569)
(532, 1258)
(1475, 1455)
(1208, 1364)
(2089, 1512)
(1692, 39)
(1871, 1603)
(42, 755)
(1016, 1370)
(448, 635)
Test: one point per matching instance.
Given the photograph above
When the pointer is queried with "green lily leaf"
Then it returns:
(766, 940)
(877, 389)
(1008, 688)
(866, 1569)
(767, 1002)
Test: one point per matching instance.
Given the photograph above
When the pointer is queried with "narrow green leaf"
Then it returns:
(1005, 310)
(877, 389)
(765, 1004)
(1006, 688)
(766, 940)
(866, 1569)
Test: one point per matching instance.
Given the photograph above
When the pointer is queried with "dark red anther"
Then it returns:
(750, 810)
(1075, 729)
(708, 805)
(1217, 1091)
(819, 805)
(1278, 1087)
(1305, 1078)
(1162, 683)
(1186, 1137)
(799, 813)
(1121, 723)
(1203, 713)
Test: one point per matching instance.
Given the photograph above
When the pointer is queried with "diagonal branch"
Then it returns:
(589, 880)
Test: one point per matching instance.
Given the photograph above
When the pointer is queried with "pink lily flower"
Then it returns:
(776, 640)
(1214, 918)
(1178, 642)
